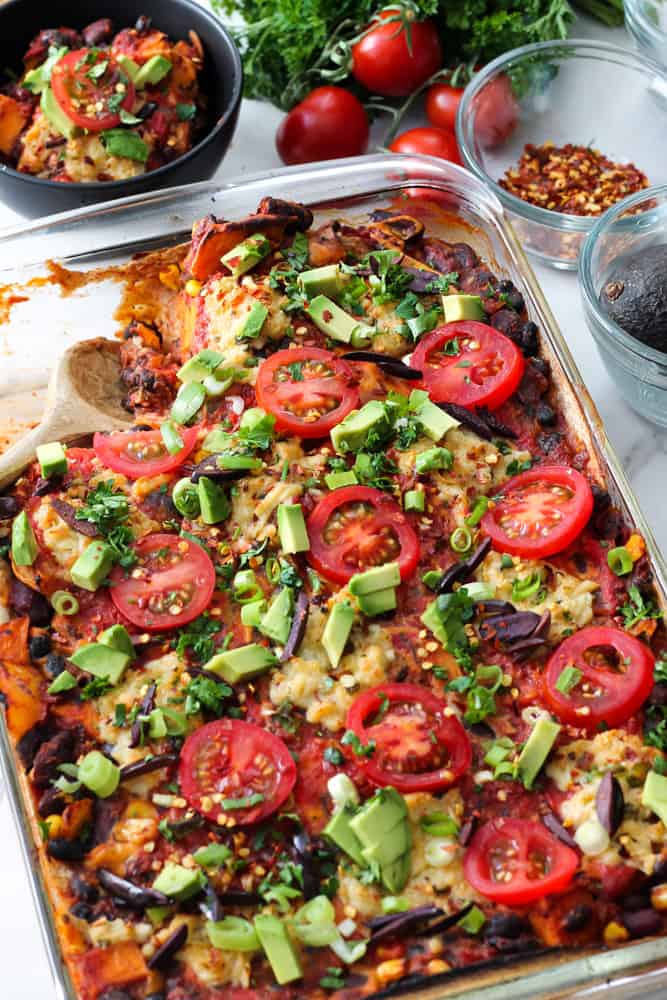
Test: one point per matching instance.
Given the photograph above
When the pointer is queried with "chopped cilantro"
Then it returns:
(350, 739)
(197, 638)
(203, 693)
(109, 509)
(334, 756)
(186, 112)
(515, 466)
(95, 688)
(638, 609)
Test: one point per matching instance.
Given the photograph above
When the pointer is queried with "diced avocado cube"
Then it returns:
(395, 875)
(246, 254)
(380, 813)
(336, 480)
(392, 845)
(231, 461)
(414, 500)
(352, 432)
(213, 501)
(536, 750)
(178, 882)
(152, 71)
(242, 663)
(432, 619)
(157, 724)
(278, 947)
(55, 115)
(252, 614)
(101, 661)
(434, 422)
(52, 459)
(254, 321)
(377, 578)
(118, 638)
(654, 794)
(337, 631)
(277, 621)
(327, 280)
(292, 529)
(129, 66)
(200, 366)
(24, 543)
(157, 914)
(63, 682)
(458, 307)
(433, 459)
(93, 565)
(212, 855)
(378, 603)
(336, 323)
(339, 831)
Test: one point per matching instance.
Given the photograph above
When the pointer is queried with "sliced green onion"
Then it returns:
(229, 460)
(498, 752)
(395, 904)
(431, 579)
(478, 590)
(314, 923)
(490, 677)
(232, 934)
(272, 569)
(185, 496)
(460, 540)
(175, 721)
(619, 561)
(245, 802)
(246, 588)
(188, 402)
(524, 588)
(173, 441)
(99, 774)
(64, 603)
(414, 500)
(477, 513)
(506, 767)
(568, 679)
(439, 824)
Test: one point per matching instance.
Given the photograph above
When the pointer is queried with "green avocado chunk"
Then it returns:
(277, 621)
(458, 307)
(93, 565)
(337, 631)
(378, 602)
(434, 421)
(178, 882)
(242, 663)
(336, 323)
(339, 831)
(24, 543)
(213, 501)
(52, 459)
(383, 830)
(654, 794)
(326, 280)
(536, 750)
(55, 114)
(377, 578)
(117, 637)
(101, 660)
(352, 432)
(278, 948)
(292, 529)
(152, 71)
(200, 366)
(246, 254)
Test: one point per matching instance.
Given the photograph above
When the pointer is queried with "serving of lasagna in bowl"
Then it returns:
(340, 672)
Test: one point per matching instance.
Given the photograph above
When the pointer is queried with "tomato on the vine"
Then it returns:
(442, 103)
(394, 57)
(428, 142)
(329, 123)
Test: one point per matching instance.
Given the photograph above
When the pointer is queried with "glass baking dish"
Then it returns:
(39, 322)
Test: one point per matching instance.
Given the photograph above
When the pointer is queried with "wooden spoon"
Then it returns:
(84, 396)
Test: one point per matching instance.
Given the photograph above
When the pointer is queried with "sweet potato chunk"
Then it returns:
(104, 968)
(13, 119)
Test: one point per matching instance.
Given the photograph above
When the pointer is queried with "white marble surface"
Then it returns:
(642, 447)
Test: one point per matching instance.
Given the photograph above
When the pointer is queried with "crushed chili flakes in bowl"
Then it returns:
(575, 180)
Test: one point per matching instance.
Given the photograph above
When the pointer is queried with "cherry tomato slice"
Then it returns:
(417, 746)
(516, 861)
(357, 527)
(469, 363)
(142, 453)
(171, 583)
(617, 677)
(249, 768)
(84, 84)
(539, 512)
(386, 63)
(308, 390)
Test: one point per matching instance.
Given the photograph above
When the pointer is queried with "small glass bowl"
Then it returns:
(639, 371)
(578, 91)
(646, 20)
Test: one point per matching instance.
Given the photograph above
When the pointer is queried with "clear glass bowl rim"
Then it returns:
(602, 51)
(610, 220)
(636, 19)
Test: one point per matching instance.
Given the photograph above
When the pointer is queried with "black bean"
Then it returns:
(166, 952)
(609, 803)
(601, 498)
(65, 850)
(659, 873)
(58, 750)
(98, 32)
(29, 602)
(545, 415)
(83, 889)
(9, 507)
(138, 896)
(529, 340)
(31, 741)
(577, 918)
(542, 366)
(636, 901)
(83, 911)
(39, 646)
(143, 24)
(642, 922)
(146, 110)
(507, 925)
(52, 802)
(554, 825)
(54, 664)
(466, 831)
(548, 442)
(43, 486)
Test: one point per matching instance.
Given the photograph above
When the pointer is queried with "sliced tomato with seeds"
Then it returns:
(171, 583)
(142, 453)
(539, 512)
(516, 861)
(616, 677)
(418, 746)
(85, 84)
(308, 390)
(469, 363)
(235, 769)
(357, 527)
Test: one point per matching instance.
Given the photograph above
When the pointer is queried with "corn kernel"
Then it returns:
(659, 898)
(192, 287)
(170, 277)
(615, 933)
(54, 824)
(390, 970)
(437, 965)
(636, 547)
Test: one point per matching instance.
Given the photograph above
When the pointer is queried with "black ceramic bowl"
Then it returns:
(221, 81)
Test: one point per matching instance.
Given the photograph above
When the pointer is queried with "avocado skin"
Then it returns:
(640, 307)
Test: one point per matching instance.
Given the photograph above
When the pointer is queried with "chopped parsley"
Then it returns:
(205, 694)
(197, 638)
(186, 112)
(334, 756)
(350, 739)
(638, 608)
(95, 688)
(515, 466)
(109, 510)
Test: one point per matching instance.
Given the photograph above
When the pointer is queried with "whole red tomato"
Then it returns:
(442, 103)
(329, 123)
(384, 63)
(430, 142)
(496, 112)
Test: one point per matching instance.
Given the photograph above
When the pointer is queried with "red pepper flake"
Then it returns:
(575, 180)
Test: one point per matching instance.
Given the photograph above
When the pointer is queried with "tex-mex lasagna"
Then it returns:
(339, 670)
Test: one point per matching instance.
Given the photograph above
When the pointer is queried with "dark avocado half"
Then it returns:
(635, 296)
